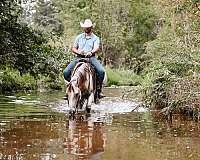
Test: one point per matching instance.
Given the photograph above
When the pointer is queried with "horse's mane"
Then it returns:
(80, 70)
(77, 67)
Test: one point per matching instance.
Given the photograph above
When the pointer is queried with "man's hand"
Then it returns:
(81, 52)
(88, 54)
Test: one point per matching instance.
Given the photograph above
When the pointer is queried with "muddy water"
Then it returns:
(37, 127)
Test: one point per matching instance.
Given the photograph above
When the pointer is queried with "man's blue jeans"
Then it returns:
(95, 63)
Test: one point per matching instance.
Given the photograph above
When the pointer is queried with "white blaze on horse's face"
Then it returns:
(74, 96)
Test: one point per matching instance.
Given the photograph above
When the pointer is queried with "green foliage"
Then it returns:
(17, 40)
(11, 80)
(173, 57)
(48, 61)
(186, 92)
(113, 77)
(123, 26)
(26, 51)
(46, 18)
(122, 77)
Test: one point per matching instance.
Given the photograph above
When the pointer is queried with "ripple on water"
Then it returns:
(36, 132)
(24, 101)
(106, 105)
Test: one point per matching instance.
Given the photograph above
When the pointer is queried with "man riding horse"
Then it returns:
(86, 45)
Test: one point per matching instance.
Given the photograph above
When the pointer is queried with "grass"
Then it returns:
(122, 77)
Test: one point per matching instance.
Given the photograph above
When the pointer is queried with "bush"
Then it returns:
(11, 80)
(155, 85)
(186, 92)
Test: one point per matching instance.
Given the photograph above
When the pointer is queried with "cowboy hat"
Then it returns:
(87, 23)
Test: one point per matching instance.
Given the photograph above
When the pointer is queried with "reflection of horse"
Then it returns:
(85, 138)
(81, 87)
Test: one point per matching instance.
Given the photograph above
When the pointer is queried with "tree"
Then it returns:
(18, 41)
(45, 18)
(123, 26)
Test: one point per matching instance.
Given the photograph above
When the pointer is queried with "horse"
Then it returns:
(82, 87)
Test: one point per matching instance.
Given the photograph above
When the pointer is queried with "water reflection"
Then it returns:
(143, 136)
(85, 138)
(112, 131)
(51, 137)
(31, 139)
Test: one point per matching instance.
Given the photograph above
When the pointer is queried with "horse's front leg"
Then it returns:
(89, 102)
(72, 108)
(72, 111)
(82, 101)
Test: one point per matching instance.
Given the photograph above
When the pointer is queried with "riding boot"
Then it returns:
(99, 91)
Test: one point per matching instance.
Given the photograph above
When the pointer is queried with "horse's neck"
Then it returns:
(80, 74)
(77, 67)
(74, 80)
(79, 71)
(83, 78)
(77, 75)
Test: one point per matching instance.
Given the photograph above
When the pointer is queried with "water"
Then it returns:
(36, 126)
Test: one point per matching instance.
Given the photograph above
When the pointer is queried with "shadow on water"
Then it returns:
(37, 126)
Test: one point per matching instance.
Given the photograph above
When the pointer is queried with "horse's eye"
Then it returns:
(76, 94)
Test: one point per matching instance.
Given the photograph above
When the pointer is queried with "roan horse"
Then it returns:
(82, 87)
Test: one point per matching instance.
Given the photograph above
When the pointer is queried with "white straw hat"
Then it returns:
(87, 23)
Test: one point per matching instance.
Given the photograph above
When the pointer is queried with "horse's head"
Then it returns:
(74, 96)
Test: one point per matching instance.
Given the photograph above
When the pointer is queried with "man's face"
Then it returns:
(88, 30)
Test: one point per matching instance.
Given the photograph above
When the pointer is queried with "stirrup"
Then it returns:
(101, 95)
